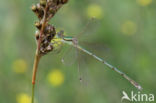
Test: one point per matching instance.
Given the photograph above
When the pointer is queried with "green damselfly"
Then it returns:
(72, 41)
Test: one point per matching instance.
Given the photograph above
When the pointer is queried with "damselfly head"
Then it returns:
(60, 34)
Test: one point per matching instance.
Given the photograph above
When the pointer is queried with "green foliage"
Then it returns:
(123, 33)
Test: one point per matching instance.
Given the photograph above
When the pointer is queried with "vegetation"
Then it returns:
(122, 32)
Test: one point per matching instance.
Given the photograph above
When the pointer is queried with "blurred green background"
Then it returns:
(123, 33)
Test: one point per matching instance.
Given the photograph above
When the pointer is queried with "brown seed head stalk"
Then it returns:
(44, 11)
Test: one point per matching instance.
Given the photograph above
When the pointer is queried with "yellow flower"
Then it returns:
(55, 77)
(144, 2)
(129, 28)
(19, 66)
(95, 11)
(23, 98)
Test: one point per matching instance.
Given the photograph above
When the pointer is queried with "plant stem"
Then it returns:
(37, 55)
(35, 67)
(33, 89)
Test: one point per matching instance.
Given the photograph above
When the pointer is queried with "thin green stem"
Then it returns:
(33, 89)
(35, 67)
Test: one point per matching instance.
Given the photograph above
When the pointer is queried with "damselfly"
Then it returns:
(72, 41)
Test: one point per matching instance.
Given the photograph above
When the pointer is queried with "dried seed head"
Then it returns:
(39, 6)
(58, 2)
(34, 8)
(45, 10)
(38, 25)
(45, 50)
(49, 48)
(38, 10)
(51, 10)
(37, 35)
(64, 1)
(43, 2)
(48, 35)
